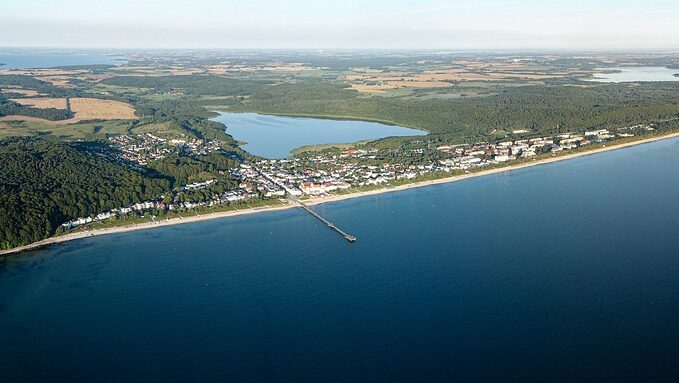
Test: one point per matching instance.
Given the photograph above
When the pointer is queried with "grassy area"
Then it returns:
(163, 129)
(317, 148)
(81, 130)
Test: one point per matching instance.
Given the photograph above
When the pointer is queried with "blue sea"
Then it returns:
(26, 59)
(567, 272)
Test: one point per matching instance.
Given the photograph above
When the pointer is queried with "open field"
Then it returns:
(80, 130)
(17, 90)
(42, 102)
(280, 67)
(436, 79)
(388, 85)
(33, 119)
(58, 77)
(58, 81)
(43, 72)
(96, 109)
(437, 76)
(85, 109)
(163, 129)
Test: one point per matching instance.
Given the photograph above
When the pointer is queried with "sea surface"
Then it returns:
(634, 74)
(566, 272)
(23, 59)
(276, 136)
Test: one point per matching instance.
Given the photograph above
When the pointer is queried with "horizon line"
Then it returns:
(345, 49)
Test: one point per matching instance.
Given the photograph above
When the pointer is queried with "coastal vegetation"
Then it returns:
(464, 100)
(46, 181)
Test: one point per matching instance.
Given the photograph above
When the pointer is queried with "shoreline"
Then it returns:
(444, 180)
(319, 116)
(321, 200)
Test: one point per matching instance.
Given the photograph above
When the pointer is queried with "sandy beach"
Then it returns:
(542, 161)
(317, 201)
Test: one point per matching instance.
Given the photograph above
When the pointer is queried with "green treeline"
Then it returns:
(9, 108)
(45, 182)
(28, 82)
(195, 85)
(543, 110)
(184, 170)
(548, 109)
(184, 115)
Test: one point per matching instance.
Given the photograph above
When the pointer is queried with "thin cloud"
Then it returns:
(427, 24)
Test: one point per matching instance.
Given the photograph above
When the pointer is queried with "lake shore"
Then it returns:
(321, 200)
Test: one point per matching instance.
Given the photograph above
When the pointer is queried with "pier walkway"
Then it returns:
(331, 225)
(301, 204)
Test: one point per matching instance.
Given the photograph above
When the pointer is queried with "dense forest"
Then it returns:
(541, 109)
(45, 182)
(183, 170)
(196, 85)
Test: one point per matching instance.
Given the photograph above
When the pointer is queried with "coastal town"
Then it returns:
(143, 148)
(321, 174)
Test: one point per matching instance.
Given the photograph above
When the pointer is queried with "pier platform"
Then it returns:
(329, 224)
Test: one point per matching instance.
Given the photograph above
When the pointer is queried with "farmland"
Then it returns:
(18, 90)
(463, 96)
(43, 102)
(96, 109)
(441, 76)
(84, 109)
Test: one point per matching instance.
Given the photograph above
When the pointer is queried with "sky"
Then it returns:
(346, 24)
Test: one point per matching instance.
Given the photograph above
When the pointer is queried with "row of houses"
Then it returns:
(326, 172)
(147, 147)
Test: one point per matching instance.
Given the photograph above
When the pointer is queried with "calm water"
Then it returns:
(632, 74)
(275, 136)
(30, 59)
(564, 272)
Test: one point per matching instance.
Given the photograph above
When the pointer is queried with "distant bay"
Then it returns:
(23, 59)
